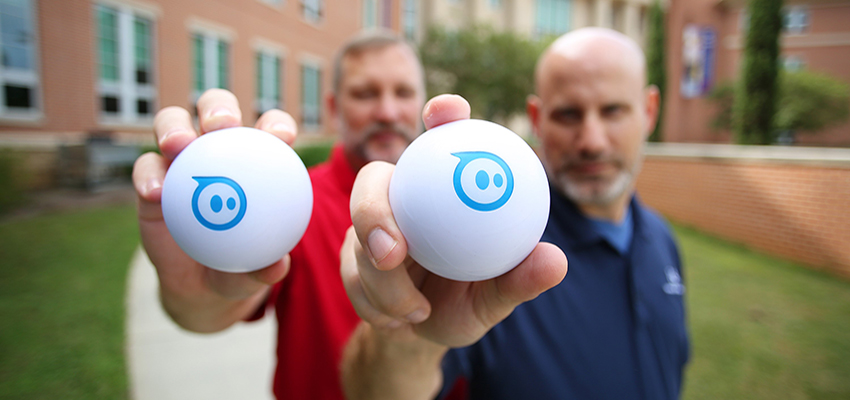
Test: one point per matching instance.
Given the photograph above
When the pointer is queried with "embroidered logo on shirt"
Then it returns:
(674, 284)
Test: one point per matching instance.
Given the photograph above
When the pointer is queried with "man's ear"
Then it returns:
(652, 102)
(532, 109)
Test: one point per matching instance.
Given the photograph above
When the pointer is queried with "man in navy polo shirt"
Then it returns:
(613, 329)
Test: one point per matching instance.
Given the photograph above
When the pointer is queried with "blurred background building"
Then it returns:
(78, 71)
(706, 38)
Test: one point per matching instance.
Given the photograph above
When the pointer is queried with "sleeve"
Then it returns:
(260, 312)
(456, 371)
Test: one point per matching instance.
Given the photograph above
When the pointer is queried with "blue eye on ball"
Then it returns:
(482, 179)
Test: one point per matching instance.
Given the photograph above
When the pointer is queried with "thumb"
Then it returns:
(544, 268)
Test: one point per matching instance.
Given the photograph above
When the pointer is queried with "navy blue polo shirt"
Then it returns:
(613, 329)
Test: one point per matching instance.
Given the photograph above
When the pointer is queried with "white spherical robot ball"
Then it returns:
(471, 199)
(237, 199)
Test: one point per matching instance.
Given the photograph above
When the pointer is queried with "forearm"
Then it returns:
(208, 312)
(378, 365)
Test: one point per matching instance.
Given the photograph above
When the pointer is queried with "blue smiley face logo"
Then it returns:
(218, 203)
(482, 180)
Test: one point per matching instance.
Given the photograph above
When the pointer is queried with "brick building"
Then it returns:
(77, 66)
(815, 37)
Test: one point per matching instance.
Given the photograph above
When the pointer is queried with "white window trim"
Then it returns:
(275, 4)
(126, 89)
(31, 77)
(271, 48)
(211, 33)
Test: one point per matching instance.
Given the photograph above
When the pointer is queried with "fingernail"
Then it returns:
(282, 127)
(416, 316)
(394, 324)
(151, 185)
(380, 244)
(217, 116)
(170, 133)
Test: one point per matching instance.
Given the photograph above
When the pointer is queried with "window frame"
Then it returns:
(315, 121)
(313, 15)
(409, 19)
(212, 63)
(799, 27)
(126, 88)
(262, 55)
(28, 78)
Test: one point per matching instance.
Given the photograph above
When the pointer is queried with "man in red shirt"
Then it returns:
(377, 98)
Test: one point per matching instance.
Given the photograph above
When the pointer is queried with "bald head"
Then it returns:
(590, 50)
(592, 112)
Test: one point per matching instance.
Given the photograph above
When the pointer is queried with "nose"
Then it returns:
(388, 108)
(593, 139)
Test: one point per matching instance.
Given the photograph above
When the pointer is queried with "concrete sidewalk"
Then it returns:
(166, 362)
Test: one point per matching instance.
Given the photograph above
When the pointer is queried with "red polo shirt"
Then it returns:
(314, 314)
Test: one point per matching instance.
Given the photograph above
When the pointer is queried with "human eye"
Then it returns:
(568, 116)
(614, 111)
(364, 93)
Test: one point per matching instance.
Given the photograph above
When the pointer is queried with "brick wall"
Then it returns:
(790, 202)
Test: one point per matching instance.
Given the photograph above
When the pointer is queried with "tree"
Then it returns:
(807, 102)
(494, 71)
(656, 72)
(756, 98)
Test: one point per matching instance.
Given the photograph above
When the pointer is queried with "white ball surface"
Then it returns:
(237, 199)
(471, 199)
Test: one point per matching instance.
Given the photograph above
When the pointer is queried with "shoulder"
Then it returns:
(652, 221)
(656, 227)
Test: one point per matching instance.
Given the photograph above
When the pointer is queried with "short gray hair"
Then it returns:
(371, 39)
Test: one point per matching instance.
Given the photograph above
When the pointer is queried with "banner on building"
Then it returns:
(698, 57)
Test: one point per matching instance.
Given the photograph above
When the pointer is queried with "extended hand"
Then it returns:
(403, 300)
(197, 297)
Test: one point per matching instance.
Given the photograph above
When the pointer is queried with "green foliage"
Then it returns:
(314, 153)
(807, 102)
(756, 99)
(811, 102)
(62, 288)
(723, 97)
(11, 181)
(656, 72)
(494, 71)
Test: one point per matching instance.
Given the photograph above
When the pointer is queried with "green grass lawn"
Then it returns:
(62, 285)
(760, 328)
(763, 328)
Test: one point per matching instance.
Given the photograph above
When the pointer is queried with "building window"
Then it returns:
(210, 63)
(408, 17)
(18, 72)
(370, 13)
(793, 63)
(312, 10)
(795, 20)
(268, 82)
(311, 79)
(553, 17)
(495, 3)
(618, 18)
(125, 62)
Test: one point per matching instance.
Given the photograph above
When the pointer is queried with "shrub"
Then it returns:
(806, 102)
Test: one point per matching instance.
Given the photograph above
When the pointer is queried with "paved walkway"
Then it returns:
(166, 362)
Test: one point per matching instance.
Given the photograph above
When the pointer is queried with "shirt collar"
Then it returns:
(576, 228)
